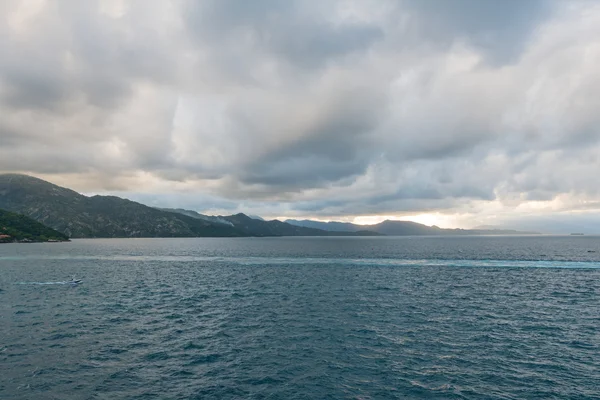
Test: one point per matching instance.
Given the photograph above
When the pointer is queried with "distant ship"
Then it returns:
(576, 234)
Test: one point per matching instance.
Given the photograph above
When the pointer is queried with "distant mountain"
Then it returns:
(487, 227)
(19, 228)
(79, 216)
(401, 228)
(257, 227)
(392, 228)
(327, 226)
(258, 217)
(197, 215)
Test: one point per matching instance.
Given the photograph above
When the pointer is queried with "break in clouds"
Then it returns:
(484, 111)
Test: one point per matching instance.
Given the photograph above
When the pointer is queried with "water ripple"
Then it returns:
(280, 326)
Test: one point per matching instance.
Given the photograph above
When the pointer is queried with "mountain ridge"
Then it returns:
(404, 228)
(195, 214)
(80, 216)
(252, 226)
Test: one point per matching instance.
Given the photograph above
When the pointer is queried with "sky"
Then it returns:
(458, 113)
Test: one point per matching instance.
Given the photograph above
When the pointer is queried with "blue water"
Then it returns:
(302, 318)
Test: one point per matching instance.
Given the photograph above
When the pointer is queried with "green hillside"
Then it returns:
(80, 216)
(19, 228)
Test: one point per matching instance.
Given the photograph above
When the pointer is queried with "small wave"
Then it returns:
(205, 359)
(157, 356)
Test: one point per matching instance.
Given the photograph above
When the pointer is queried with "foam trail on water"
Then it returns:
(374, 262)
(45, 283)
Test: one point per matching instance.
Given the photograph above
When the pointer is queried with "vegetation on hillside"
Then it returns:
(19, 228)
(80, 216)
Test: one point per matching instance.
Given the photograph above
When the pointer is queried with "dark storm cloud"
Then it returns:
(293, 31)
(34, 89)
(306, 171)
(500, 28)
(334, 146)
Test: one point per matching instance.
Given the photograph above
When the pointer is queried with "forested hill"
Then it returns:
(80, 216)
(19, 228)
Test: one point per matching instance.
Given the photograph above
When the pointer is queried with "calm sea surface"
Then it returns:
(302, 318)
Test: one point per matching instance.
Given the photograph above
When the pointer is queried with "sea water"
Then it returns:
(302, 318)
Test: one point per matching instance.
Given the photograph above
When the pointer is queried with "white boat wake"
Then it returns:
(71, 282)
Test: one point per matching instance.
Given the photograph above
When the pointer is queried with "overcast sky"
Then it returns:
(455, 112)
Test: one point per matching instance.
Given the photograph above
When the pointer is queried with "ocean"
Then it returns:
(302, 318)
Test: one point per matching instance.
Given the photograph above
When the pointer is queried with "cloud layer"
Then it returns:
(481, 109)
